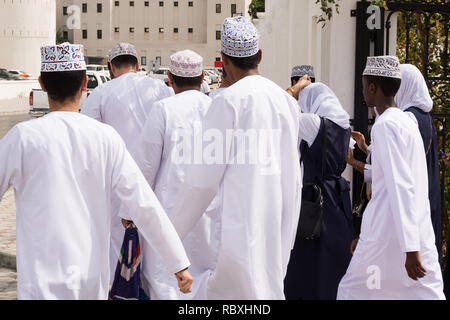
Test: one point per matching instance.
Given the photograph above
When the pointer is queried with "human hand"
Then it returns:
(185, 281)
(414, 266)
(299, 86)
(353, 246)
(360, 141)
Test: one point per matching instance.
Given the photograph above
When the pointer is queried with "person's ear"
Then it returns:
(260, 56)
(113, 70)
(373, 88)
(42, 84)
(294, 82)
(84, 84)
(203, 77)
(170, 79)
(137, 67)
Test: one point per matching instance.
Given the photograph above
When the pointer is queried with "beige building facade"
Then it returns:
(24, 27)
(157, 28)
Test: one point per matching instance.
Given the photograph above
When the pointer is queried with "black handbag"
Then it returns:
(358, 211)
(311, 212)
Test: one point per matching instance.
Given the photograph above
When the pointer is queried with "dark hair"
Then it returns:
(313, 80)
(124, 61)
(389, 86)
(64, 85)
(246, 63)
(187, 82)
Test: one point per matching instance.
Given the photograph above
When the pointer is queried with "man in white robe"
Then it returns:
(124, 103)
(167, 133)
(396, 256)
(64, 168)
(251, 161)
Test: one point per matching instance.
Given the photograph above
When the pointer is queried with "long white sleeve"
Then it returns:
(93, 104)
(150, 145)
(10, 160)
(203, 180)
(146, 212)
(389, 151)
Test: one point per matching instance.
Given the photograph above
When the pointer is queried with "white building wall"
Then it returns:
(24, 27)
(291, 36)
(202, 17)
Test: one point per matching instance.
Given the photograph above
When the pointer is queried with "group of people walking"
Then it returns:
(216, 185)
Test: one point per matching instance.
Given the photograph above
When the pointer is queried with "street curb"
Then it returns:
(8, 261)
(14, 113)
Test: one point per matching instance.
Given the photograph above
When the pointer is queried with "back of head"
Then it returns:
(186, 69)
(385, 73)
(413, 90)
(63, 70)
(240, 43)
(299, 71)
(123, 55)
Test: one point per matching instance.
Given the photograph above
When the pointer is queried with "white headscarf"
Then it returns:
(413, 91)
(317, 98)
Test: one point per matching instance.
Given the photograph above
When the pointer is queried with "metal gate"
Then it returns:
(423, 41)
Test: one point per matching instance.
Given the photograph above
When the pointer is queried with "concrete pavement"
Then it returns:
(8, 284)
(8, 231)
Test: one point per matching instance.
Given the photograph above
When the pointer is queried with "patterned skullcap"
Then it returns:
(240, 38)
(122, 49)
(300, 71)
(186, 64)
(62, 57)
(383, 66)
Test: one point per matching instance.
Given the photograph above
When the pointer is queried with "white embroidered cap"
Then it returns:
(62, 57)
(122, 49)
(383, 66)
(186, 64)
(300, 71)
(240, 38)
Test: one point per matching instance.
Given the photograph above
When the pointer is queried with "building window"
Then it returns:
(175, 3)
(116, 3)
(64, 11)
(143, 61)
(175, 30)
(218, 8)
(131, 29)
(131, 3)
(66, 35)
(116, 29)
(233, 9)
(161, 3)
(191, 3)
(146, 3)
(99, 7)
(191, 30)
(161, 30)
(147, 30)
(99, 34)
(84, 34)
(218, 34)
(84, 7)
(218, 59)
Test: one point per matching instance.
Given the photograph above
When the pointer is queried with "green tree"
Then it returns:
(255, 7)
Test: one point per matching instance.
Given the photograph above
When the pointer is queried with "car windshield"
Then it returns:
(92, 83)
(165, 72)
(91, 68)
(14, 72)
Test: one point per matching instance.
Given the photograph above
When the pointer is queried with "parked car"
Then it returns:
(215, 77)
(20, 74)
(160, 74)
(39, 100)
(5, 75)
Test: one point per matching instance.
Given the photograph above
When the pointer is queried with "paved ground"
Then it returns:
(8, 284)
(11, 112)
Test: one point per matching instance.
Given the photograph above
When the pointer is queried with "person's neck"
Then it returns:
(184, 89)
(65, 106)
(240, 74)
(121, 72)
(385, 103)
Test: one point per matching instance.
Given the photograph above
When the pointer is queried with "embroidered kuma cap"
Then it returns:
(240, 38)
(122, 49)
(383, 66)
(62, 57)
(300, 71)
(186, 64)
